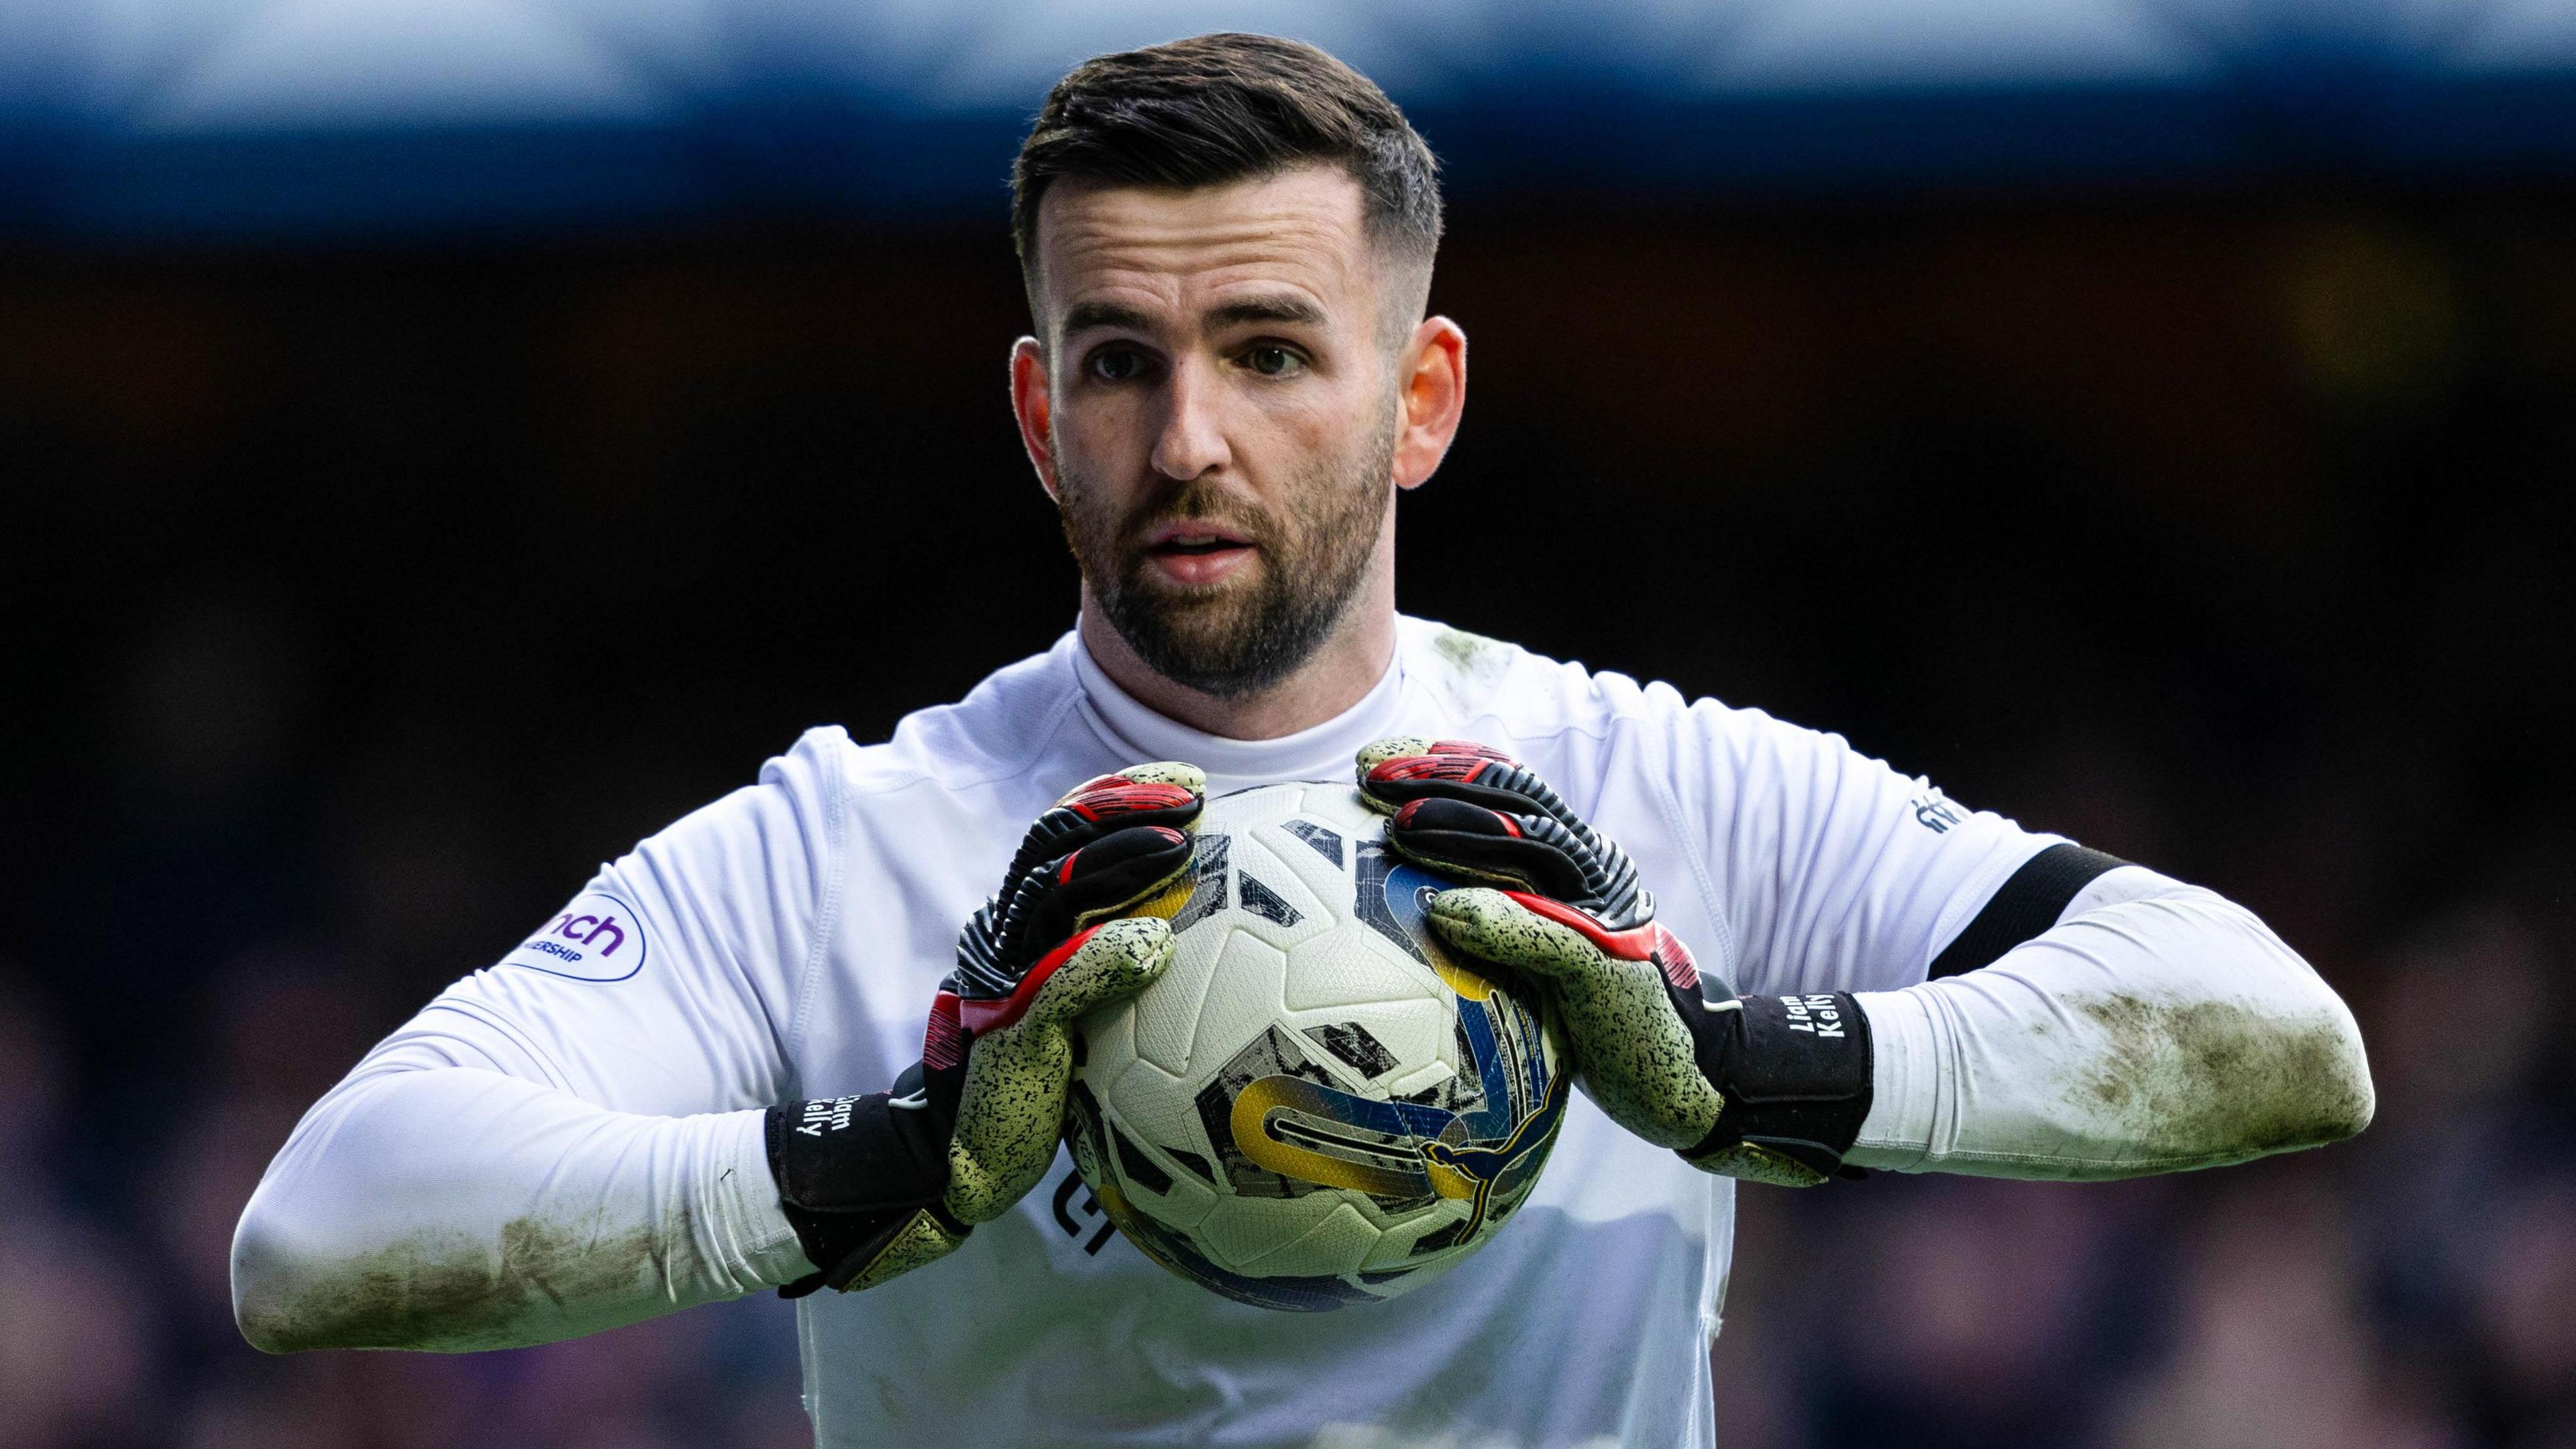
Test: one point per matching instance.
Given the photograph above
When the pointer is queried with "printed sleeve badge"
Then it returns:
(595, 938)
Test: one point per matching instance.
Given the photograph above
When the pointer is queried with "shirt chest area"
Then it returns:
(891, 944)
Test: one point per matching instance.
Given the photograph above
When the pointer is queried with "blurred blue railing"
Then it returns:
(270, 118)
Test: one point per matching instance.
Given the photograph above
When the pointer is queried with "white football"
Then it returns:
(1319, 1103)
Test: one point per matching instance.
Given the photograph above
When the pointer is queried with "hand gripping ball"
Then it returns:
(1319, 1103)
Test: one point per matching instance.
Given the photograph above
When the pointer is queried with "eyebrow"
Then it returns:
(1291, 309)
(1088, 316)
(1285, 308)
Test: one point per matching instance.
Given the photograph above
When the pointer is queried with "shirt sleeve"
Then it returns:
(569, 1139)
(2154, 1026)
(1830, 871)
(2036, 1009)
(670, 983)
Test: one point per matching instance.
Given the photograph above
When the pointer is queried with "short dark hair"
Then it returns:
(1228, 107)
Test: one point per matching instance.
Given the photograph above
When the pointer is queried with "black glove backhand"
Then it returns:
(1795, 1074)
(852, 1171)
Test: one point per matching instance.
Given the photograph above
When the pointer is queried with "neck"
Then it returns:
(1339, 674)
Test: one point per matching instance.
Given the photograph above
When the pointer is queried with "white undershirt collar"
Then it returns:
(1138, 733)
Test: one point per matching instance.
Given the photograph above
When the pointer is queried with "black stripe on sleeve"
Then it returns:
(2028, 904)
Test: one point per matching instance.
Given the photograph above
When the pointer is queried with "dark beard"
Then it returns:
(1231, 641)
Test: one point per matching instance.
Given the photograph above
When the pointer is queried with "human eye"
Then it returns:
(1274, 359)
(1116, 362)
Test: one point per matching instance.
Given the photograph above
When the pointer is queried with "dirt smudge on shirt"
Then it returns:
(1474, 655)
(2202, 1083)
(542, 1280)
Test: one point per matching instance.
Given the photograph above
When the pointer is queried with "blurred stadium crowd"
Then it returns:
(359, 601)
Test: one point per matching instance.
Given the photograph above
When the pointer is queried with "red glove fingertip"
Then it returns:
(1117, 795)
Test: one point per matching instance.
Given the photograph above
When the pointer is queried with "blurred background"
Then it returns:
(443, 440)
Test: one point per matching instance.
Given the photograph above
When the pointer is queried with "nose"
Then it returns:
(1191, 443)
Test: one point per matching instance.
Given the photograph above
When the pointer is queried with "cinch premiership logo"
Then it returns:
(596, 938)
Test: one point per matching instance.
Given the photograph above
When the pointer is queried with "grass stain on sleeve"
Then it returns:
(542, 1281)
(2203, 1083)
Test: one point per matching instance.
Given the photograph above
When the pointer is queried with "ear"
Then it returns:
(1034, 408)
(1432, 391)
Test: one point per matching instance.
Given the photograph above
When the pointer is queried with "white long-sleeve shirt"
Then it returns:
(570, 1139)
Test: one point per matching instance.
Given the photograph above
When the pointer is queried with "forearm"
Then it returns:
(452, 1207)
(2160, 1027)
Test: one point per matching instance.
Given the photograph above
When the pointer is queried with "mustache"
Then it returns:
(1197, 503)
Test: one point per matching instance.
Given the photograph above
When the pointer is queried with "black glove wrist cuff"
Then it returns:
(851, 1171)
(1795, 1073)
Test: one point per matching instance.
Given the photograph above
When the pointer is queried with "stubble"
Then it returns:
(1238, 637)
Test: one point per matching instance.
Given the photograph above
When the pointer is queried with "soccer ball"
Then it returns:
(1319, 1103)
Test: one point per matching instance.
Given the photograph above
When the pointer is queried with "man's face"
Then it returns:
(1220, 416)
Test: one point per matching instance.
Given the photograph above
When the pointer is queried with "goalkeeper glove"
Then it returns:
(1770, 1088)
(880, 1184)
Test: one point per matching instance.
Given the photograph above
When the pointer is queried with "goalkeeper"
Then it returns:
(798, 1040)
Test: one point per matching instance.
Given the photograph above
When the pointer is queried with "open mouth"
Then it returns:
(1192, 536)
(1196, 553)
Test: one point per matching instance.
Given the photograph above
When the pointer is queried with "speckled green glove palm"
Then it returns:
(1052, 948)
(878, 1185)
(1768, 1088)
